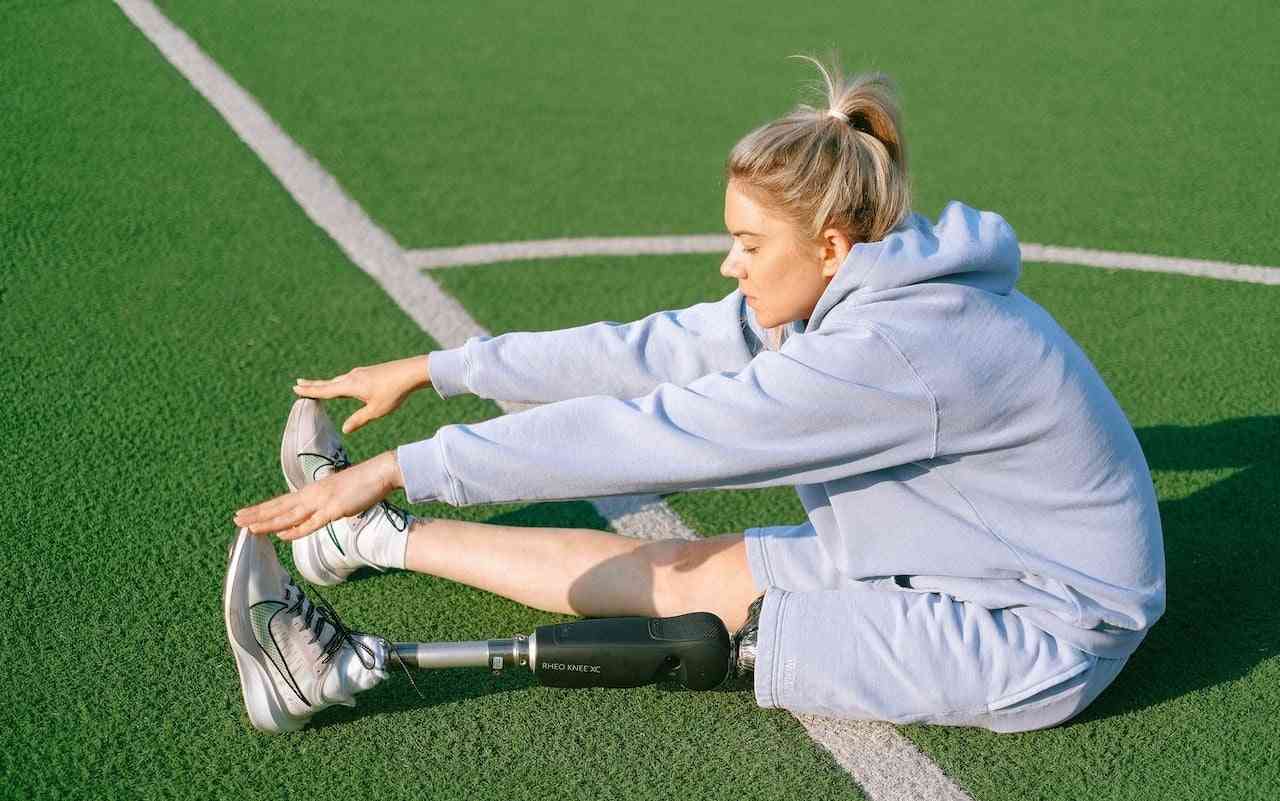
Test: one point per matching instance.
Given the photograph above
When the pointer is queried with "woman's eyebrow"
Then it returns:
(745, 233)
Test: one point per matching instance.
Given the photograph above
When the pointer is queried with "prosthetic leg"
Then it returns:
(296, 658)
(694, 650)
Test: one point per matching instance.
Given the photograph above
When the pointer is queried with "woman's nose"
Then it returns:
(729, 268)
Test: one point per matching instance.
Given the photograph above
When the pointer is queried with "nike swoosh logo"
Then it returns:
(262, 614)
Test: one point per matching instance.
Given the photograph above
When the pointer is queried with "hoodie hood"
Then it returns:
(966, 246)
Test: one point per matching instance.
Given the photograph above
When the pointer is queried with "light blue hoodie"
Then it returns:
(934, 421)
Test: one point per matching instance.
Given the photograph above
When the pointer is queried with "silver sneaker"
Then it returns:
(310, 450)
(294, 658)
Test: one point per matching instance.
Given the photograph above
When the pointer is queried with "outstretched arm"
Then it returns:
(620, 360)
(824, 407)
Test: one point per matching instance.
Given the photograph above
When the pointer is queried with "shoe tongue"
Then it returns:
(315, 467)
(319, 622)
(291, 592)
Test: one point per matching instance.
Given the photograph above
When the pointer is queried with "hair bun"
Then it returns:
(860, 122)
(815, 175)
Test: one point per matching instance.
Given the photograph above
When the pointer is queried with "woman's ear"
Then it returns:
(834, 246)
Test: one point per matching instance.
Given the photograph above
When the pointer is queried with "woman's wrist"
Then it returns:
(416, 375)
(389, 470)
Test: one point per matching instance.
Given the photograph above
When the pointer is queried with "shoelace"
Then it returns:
(399, 517)
(314, 618)
(324, 613)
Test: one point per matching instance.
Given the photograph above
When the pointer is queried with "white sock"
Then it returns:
(382, 545)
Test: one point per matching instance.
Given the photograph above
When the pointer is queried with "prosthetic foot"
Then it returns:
(294, 658)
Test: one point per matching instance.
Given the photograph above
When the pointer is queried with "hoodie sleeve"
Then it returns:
(621, 360)
(826, 406)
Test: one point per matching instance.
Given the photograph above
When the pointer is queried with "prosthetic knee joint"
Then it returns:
(743, 655)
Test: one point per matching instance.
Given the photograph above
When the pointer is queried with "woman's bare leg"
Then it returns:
(588, 572)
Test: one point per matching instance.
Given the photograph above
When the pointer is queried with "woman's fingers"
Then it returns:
(358, 419)
(285, 519)
(312, 523)
(335, 388)
(261, 511)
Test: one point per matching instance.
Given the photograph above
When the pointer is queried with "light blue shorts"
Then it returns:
(876, 651)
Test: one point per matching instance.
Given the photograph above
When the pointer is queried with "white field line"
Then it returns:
(436, 258)
(886, 764)
(558, 248)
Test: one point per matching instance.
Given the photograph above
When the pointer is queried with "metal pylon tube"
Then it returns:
(493, 654)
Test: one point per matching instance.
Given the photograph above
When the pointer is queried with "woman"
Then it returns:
(982, 544)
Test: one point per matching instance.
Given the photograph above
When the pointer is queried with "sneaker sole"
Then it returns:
(306, 551)
(289, 464)
(266, 710)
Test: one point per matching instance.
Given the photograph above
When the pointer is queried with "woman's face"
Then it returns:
(781, 274)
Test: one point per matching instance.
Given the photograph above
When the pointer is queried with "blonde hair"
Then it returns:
(818, 170)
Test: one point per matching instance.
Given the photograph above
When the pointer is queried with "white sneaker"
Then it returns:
(310, 450)
(294, 658)
(311, 447)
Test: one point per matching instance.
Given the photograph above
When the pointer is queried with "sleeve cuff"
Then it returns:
(425, 476)
(448, 371)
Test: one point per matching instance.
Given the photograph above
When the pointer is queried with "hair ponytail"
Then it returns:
(844, 165)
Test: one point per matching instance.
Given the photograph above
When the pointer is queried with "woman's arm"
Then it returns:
(620, 360)
(606, 358)
(826, 406)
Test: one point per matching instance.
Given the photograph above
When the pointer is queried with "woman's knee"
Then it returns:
(704, 575)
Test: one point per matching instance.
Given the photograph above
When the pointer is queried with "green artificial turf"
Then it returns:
(1195, 364)
(1117, 125)
(159, 292)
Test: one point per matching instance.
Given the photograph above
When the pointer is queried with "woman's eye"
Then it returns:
(751, 250)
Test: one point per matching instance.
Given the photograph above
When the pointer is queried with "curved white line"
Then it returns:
(495, 252)
(434, 258)
(1120, 260)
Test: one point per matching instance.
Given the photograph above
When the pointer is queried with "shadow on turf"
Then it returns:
(446, 687)
(438, 687)
(1221, 553)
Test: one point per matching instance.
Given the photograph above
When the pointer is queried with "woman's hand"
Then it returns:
(382, 387)
(347, 492)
